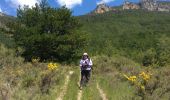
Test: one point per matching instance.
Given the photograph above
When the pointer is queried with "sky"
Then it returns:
(78, 7)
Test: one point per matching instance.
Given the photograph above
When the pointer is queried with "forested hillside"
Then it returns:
(138, 35)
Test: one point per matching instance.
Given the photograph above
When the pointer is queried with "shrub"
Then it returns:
(48, 33)
(105, 64)
(163, 50)
(8, 58)
(149, 57)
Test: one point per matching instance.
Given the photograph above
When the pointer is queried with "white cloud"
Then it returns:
(16, 3)
(69, 3)
(104, 1)
(0, 10)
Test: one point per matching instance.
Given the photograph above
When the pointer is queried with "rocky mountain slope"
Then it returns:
(102, 8)
(4, 20)
(150, 5)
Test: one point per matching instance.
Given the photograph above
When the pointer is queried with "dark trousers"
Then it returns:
(85, 73)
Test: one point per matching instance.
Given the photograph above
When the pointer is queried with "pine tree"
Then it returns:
(48, 33)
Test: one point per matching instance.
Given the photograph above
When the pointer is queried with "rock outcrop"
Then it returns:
(155, 5)
(164, 6)
(1, 14)
(102, 8)
(130, 5)
(150, 5)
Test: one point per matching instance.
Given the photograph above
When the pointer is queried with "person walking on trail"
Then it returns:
(86, 67)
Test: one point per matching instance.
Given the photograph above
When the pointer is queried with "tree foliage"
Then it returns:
(48, 33)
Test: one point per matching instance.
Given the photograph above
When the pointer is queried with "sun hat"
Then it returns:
(85, 54)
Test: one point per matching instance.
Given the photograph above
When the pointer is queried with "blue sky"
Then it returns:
(79, 7)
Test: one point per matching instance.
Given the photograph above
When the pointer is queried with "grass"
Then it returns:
(128, 36)
(90, 92)
(34, 92)
(73, 88)
(107, 71)
(115, 89)
(24, 80)
(56, 89)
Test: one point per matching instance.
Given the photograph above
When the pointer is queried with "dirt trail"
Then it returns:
(64, 90)
(102, 94)
(79, 95)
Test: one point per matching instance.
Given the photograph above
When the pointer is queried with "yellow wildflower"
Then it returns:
(145, 76)
(52, 66)
(131, 78)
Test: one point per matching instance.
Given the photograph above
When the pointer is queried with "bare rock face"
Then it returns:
(150, 5)
(102, 8)
(129, 5)
(164, 7)
(155, 5)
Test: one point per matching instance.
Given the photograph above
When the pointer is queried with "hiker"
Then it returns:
(86, 67)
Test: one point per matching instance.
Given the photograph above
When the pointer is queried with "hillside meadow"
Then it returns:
(130, 51)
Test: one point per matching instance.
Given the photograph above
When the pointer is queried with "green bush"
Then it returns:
(158, 86)
(48, 33)
(149, 57)
(163, 50)
(105, 64)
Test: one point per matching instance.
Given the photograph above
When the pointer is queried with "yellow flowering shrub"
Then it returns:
(140, 80)
(131, 78)
(145, 76)
(52, 66)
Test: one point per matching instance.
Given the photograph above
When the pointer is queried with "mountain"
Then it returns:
(129, 31)
(102, 8)
(130, 5)
(6, 39)
(5, 19)
(149, 5)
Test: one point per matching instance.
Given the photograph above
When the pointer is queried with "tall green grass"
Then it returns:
(73, 87)
(91, 92)
(115, 89)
